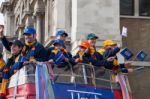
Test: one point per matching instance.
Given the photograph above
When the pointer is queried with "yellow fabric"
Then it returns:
(2, 63)
(17, 58)
(101, 51)
(30, 44)
(116, 62)
(92, 50)
(113, 76)
(55, 51)
(4, 85)
(80, 55)
(10, 55)
(65, 51)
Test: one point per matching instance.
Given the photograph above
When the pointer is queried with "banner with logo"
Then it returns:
(72, 91)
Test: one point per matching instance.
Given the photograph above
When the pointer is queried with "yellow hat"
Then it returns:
(108, 43)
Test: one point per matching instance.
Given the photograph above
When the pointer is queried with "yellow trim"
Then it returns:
(101, 51)
(92, 50)
(55, 51)
(30, 44)
(2, 63)
(17, 58)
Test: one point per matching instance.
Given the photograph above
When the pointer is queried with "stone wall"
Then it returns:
(97, 16)
(138, 35)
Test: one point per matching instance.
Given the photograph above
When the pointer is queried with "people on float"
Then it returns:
(60, 56)
(60, 35)
(110, 49)
(97, 58)
(33, 50)
(13, 63)
(2, 64)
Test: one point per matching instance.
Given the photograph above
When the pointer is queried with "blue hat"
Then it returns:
(61, 32)
(29, 30)
(59, 42)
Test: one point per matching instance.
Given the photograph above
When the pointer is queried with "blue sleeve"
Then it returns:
(40, 53)
(100, 61)
(115, 51)
(49, 52)
(6, 43)
(111, 52)
(71, 59)
(122, 65)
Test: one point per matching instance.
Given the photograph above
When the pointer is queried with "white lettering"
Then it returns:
(72, 95)
(79, 93)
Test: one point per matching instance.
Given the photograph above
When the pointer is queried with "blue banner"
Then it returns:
(141, 56)
(72, 91)
(126, 53)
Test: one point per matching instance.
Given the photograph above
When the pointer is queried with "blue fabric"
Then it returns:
(40, 53)
(61, 32)
(71, 91)
(6, 43)
(111, 52)
(42, 71)
(58, 58)
(38, 82)
(29, 30)
(59, 42)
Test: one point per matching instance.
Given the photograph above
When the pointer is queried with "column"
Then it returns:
(98, 16)
(39, 11)
(38, 27)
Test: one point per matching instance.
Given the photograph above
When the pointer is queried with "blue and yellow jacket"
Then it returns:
(53, 52)
(112, 53)
(13, 64)
(35, 50)
(94, 58)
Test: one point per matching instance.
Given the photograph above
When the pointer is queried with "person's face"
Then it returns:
(82, 49)
(114, 46)
(58, 47)
(15, 49)
(30, 38)
(108, 47)
(62, 37)
(92, 41)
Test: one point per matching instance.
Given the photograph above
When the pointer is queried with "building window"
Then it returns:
(144, 7)
(127, 7)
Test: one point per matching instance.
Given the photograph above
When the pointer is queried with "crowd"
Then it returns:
(31, 51)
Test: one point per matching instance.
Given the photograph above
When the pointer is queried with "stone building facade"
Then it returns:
(77, 17)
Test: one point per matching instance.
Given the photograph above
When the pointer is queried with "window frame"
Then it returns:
(136, 12)
(132, 9)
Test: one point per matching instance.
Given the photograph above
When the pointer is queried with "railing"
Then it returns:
(80, 74)
(85, 74)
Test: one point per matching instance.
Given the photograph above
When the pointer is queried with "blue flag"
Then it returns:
(59, 57)
(126, 53)
(141, 55)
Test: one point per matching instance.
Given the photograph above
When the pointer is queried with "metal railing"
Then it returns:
(85, 74)
(79, 74)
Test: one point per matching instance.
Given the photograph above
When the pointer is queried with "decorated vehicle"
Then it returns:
(80, 82)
